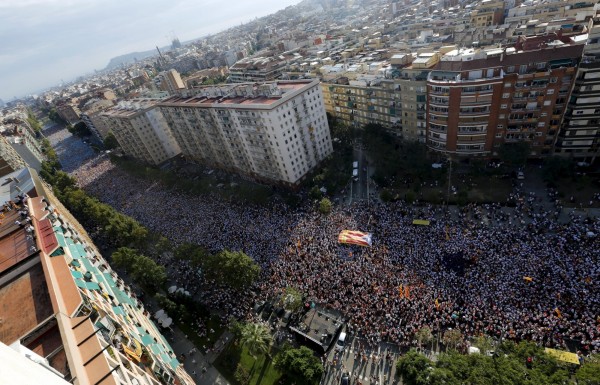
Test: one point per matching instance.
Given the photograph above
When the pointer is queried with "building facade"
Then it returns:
(579, 134)
(170, 81)
(508, 95)
(63, 307)
(142, 131)
(275, 132)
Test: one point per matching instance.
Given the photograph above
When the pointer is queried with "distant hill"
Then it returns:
(129, 58)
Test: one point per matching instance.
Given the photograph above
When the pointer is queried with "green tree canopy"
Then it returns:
(257, 338)
(424, 335)
(589, 372)
(452, 338)
(300, 363)
(144, 271)
(325, 206)
(292, 299)
(232, 268)
(515, 154)
(414, 368)
(110, 141)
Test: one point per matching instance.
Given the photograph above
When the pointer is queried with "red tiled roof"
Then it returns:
(46, 236)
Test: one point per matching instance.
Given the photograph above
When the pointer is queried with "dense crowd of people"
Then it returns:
(71, 150)
(515, 273)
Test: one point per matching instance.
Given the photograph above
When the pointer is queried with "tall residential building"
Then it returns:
(10, 160)
(478, 100)
(256, 69)
(397, 102)
(63, 307)
(170, 81)
(487, 13)
(275, 132)
(90, 116)
(142, 131)
(68, 112)
(358, 103)
(579, 134)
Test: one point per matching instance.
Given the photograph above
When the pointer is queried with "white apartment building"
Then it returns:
(142, 131)
(275, 132)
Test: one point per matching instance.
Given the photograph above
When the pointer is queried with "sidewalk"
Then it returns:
(195, 362)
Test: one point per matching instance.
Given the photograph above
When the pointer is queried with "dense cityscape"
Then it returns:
(355, 192)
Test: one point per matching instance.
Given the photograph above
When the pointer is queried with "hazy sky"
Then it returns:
(44, 41)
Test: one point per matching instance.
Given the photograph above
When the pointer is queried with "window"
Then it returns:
(553, 80)
(506, 85)
(506, 95)
(510, 69)
(504, 106)
(501, 116)
(540, 65)
(547, 102)
(500, 126)
(550, 91)
(541, 124)
(499, 135)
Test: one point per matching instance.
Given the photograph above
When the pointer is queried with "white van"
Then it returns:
(355, 164)
(341, 342)
(355, 174)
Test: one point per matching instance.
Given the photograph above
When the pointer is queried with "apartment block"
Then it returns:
(64, 309)
(478, 100)
(142, 131)
(68, 112)
(487, 13)
(357, 103)
(10, 160)
(579, 134)
(90, 116)
(275, 132)
(169, 81)
(257, 69)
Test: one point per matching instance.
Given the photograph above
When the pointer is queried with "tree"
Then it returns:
(292, 300)
(325, 206)
(484, 343)
(589, 372)
(424, 335)
(452, 338)
(232, 268)
(256, 338)
(143, 270)
(79, 129)
(515, 154)
(300, 364)
(414, 368)
(555, 168)
(110, 141)
(315, 193)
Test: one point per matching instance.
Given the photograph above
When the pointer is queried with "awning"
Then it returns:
(563, 356)
(76, 274)
(119, 310)
(87, 285)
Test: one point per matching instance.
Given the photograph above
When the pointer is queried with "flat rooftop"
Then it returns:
(233, 99)
(24, 304)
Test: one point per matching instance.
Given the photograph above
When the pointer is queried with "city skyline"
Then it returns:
(81, 37)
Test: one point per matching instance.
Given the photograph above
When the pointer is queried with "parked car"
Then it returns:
(520, 175)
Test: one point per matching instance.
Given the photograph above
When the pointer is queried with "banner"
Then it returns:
(355, 238)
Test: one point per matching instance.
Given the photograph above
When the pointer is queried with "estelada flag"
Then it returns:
(437, 304)
(528, 279)
(407, 291)
(558, 313)
(355, 238)
(400, 291)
